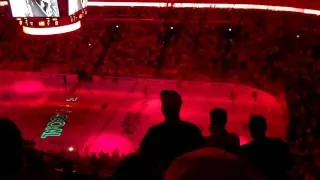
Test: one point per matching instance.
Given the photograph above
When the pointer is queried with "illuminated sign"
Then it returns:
(55, 126)
(57, 122)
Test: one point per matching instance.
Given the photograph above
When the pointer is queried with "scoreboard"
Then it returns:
(46, 17)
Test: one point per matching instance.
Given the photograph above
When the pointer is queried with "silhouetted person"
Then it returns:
(173, 137)
(270, 156)
(11, 154)
(137, 166)
(220, 137)
(95, 166)
(68, 171)
(16, 162)
(210, 164)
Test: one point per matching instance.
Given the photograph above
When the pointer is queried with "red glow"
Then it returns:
(52, 30)
(108, 143)
(244, 140)
(28, 87)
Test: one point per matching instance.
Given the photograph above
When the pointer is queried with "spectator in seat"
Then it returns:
(270, 156)
(210, 164)
(173, 137)
(137, 166)
(16, 162)
(11, 151)
(220, 137)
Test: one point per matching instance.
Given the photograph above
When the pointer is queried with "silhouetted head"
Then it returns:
(171, 103)
(218, 118)
(137, 166)
(67, 167)
(209, 164)
(11, 146)
(258, 126)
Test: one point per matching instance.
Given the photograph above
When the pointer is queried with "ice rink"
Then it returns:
(115, 114)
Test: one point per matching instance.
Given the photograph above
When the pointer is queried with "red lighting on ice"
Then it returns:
(52, 30)
(28, 87)
(109, 143)
(244, 140)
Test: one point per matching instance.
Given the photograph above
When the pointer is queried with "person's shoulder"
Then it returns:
(156, 127)
(190, 126)
(207, 138)
(248, 147)
(234, 136)
(276, 142)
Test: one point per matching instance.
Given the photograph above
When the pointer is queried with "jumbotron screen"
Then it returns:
(34, 8)
(76, 5)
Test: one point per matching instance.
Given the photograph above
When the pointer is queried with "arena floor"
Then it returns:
(109, 115)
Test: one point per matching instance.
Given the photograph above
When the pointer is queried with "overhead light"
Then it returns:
(52, 30)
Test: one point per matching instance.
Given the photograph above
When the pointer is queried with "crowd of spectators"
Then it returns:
(274, 51)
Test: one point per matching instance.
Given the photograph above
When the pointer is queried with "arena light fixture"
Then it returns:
(52, 30)
(3, 3)
(200, 5)
(206, 5)
(128, 4)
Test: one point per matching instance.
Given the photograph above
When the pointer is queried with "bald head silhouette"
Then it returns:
(258, 126)
(171, 103)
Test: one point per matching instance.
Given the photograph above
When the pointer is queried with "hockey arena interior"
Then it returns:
(170, 90)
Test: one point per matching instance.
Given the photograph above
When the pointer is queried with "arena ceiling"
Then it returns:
(310, 4)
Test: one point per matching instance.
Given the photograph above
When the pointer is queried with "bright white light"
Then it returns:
(117, 26)
(206, 5)
(75, 6)
(171, 27)
(200, 5)
(52, 30)
(3, 3)
(18, 8)
(71, 149)
(298, 36)
(230, 29)
(128, 4)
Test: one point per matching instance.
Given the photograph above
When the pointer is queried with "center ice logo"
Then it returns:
(54, 126)
(58, 121)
